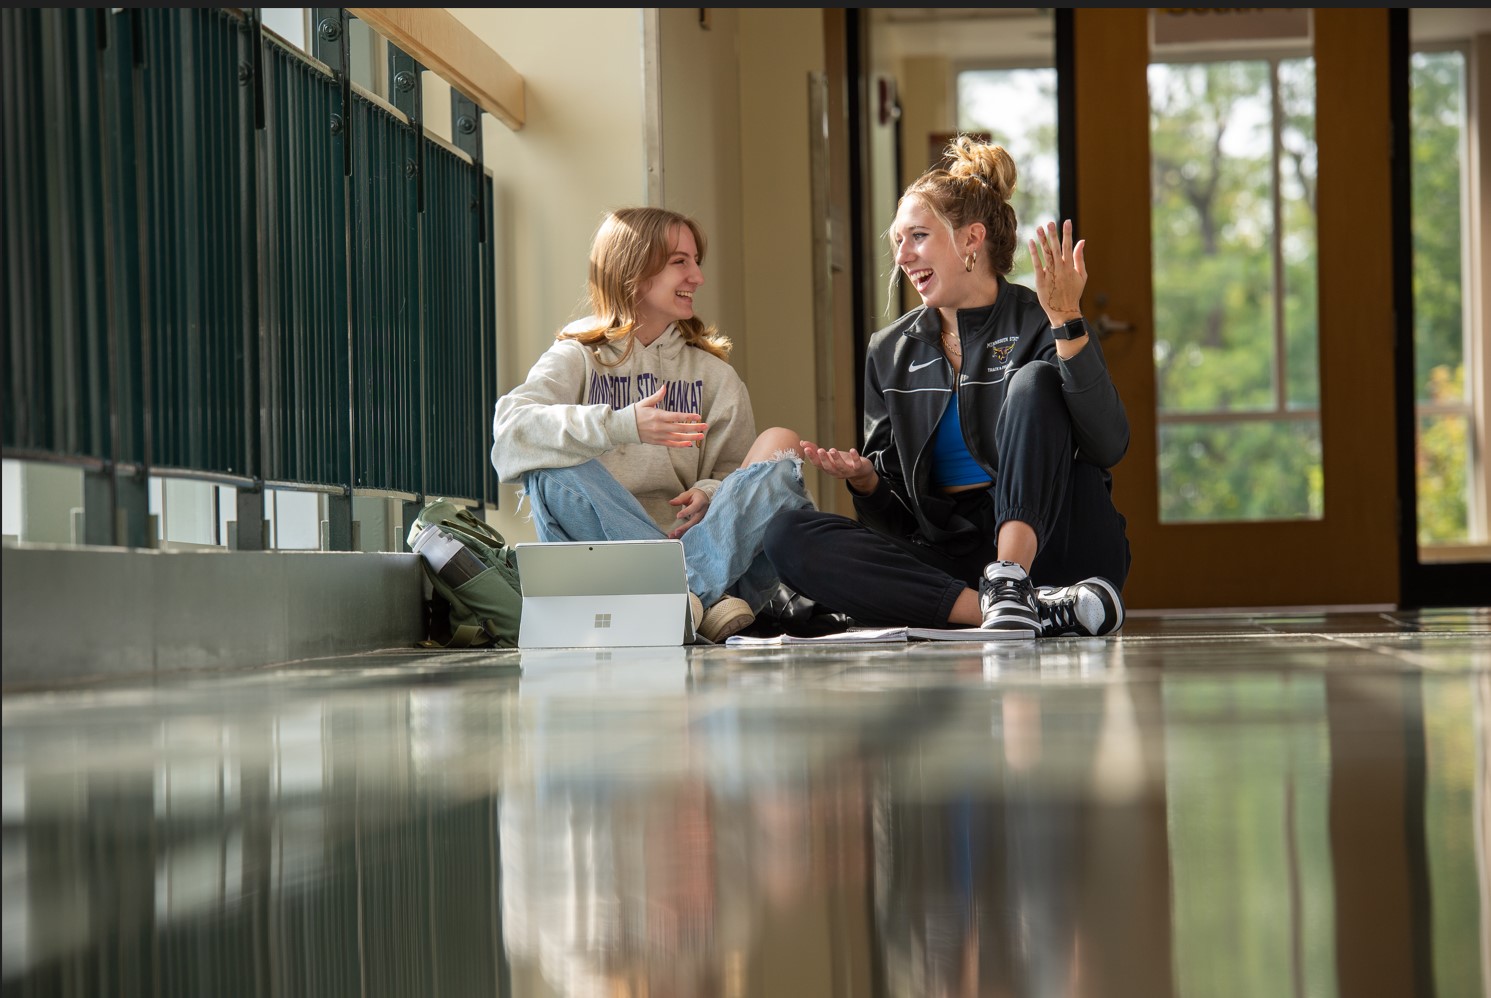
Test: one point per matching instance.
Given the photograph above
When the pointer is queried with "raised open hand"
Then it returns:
(670, 429)
(1060, 271)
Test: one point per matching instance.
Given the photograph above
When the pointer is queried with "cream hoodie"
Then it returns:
(573, 408)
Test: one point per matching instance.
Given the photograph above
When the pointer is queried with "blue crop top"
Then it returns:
(951, 462)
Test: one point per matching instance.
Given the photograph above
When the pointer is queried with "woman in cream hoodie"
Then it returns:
(633, 425)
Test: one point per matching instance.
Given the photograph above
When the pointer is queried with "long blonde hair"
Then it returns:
(973, 182)
(631, 246)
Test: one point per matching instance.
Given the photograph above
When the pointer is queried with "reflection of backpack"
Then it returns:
(474, 577)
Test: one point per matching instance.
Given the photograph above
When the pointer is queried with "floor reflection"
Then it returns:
(1233, 806)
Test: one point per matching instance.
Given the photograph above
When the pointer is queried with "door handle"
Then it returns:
(1107, 325)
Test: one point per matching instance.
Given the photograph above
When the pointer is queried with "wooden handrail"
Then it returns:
(453, 52)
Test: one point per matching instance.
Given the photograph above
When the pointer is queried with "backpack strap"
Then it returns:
(466, 635)
(473, 526)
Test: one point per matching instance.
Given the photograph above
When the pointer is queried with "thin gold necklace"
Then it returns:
(950, 343)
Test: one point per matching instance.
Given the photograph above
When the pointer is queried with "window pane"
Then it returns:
(1016, 108)
(1235, 288)
(1211, 143)
(1254, 470)
(1437, 83)
(1297, 171)
(1446, 440)
(1443, 454)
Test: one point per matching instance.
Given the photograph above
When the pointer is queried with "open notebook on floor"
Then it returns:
(884, 635)
(603, 594)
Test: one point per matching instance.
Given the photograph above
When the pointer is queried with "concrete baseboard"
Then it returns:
(75, 614)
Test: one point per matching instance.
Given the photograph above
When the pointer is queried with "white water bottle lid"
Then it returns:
(436, 547)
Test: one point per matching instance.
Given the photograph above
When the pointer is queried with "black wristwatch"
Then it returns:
(1071, 330)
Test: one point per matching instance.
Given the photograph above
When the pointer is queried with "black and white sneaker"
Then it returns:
(1007, 599)
(1090, 608)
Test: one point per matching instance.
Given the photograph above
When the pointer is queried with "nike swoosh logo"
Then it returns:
(918, 367)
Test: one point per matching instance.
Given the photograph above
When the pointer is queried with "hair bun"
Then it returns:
(974, 158)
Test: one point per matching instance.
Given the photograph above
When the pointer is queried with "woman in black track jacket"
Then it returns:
(983, 491)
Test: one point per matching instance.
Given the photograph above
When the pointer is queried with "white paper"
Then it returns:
(882, 635)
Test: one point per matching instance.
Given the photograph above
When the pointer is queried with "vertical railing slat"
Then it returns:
(306, 252)
(385, 298)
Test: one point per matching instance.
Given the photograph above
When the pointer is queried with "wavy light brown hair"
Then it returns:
(973, 182)
(632, 246)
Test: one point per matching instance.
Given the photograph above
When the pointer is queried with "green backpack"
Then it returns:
(473, 573)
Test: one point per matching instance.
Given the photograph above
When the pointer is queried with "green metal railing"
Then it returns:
(223, 260)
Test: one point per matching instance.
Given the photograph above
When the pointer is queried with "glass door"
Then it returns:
(1439, 62)
(1241, 281)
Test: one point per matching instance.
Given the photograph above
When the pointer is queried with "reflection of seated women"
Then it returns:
(608, 891)
(976, 896)
(633, 425)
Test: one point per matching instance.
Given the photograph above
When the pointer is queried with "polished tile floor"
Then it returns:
(1208, 805)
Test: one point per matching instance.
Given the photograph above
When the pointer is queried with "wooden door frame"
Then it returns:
(1350, 556)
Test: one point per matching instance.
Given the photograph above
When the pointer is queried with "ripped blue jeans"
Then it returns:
(722, 552)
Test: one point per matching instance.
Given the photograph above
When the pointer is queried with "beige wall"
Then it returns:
(779, 48)
(734, 123)
(701, 153)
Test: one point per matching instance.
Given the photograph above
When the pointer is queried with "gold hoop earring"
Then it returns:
(970, 260)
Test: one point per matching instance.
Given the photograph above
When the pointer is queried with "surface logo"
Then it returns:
(1000, 351)
(603, 620)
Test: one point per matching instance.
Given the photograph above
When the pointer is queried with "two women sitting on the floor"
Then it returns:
(983, 492)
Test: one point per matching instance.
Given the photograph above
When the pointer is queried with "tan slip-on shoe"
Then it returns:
(730, 615)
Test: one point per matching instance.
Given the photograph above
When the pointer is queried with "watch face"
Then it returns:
(1070, 331)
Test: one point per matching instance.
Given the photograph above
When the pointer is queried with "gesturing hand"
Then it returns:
(695, 504)
(1060, 271)
(670, 429)
(848, 465)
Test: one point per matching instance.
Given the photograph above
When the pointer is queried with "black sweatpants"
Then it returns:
(879, 579)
